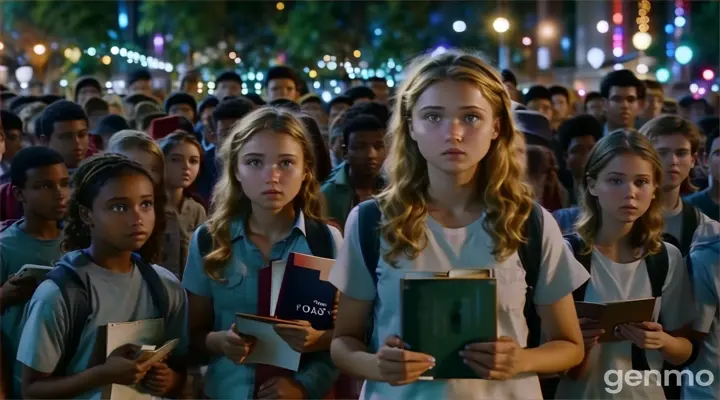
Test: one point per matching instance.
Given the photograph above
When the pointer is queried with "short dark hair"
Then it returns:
(508, 76)
(51, 98)
(142, 74)
(60, 111)
(31, 158)
(111, 124)
(361, 123)
(711, 137)
(621, 78)
(555, 89)
(235, 108)
(360, 92)
(18, 102)
(311, 98)
(138, 98)
(94, 104)
(592, 96)
(323, 166)
(654, 85)
(180, 98)
(86, 81)
(10, 121)
(340, 99)
(255, 99)
(282, 72)
(7, 97)
(285, 103)
(228, 76)
(708, 124)
(579, 126)
(376, 79)
(538, 92)
(210, 101)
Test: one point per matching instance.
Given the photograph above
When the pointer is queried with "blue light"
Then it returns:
(378, 31)
(122, 20)
(670, 53)
(680, 22)
(565, 43)
(679, 12)
(669, 29)
(683, 55)
(662, 75)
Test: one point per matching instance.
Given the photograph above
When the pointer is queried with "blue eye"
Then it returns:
(253, 163)
(433, 118)
(615, 181)
(472, 118)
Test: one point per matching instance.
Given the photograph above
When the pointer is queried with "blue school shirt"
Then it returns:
(239, 293)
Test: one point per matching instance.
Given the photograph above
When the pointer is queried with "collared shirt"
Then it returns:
(179, 227)
(238, 292)
(340, 196)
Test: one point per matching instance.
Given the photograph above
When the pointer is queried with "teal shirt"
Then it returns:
(705, 204)
(17, 248)
(238, 293)
(340, 197)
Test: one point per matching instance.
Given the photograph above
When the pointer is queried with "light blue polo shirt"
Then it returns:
(239, 293)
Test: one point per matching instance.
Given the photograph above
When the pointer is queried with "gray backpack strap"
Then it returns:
(76, 296)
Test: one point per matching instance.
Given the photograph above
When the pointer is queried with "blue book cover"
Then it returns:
(305, 293)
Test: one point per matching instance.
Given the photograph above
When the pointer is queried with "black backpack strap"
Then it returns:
(76, 297)
(579, 249)
(158, 293)
(690, 222)
(657, 266)
(530, 254)
(369, 215)
(319, 238)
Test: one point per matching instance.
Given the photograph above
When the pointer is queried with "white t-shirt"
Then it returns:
(611, 281)
(463, 248)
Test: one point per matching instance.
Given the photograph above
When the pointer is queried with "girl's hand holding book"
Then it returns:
(398, 366)
(301, 337)
(282, 387)
(646, 335)
(591, 332)
(160, 379)
(498, 360)
(236, 347)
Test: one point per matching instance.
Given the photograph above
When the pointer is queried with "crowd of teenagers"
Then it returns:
(170, 211)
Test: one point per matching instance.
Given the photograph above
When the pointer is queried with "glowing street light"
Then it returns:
(662, 75)
(280, 6)
(683, 54)
(527, 41)
(603, 26)
(546, 30)
(642, 40)
(708, 75)
(459, 26)
(39, 49)
(501, 25)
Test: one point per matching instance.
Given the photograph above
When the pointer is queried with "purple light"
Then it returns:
(617, 36)
(158, 41)
(679, 12)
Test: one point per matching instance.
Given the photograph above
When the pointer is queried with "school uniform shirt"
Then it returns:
(116, 297)
(705, 259)
(17, 248)
(673, 222)
(340, 196)
(612, 281)
(566, 218)
(705, 203)
(239, 293)
(179, 229)
(463, 248)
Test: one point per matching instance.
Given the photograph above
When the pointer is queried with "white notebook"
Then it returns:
(270, 348)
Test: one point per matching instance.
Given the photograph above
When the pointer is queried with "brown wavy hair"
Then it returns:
(87, 181)
(646, 233)
(404, 203)
(229, 201)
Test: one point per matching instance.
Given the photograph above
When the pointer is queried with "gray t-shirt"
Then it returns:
(673, 222)
(116, 297)
(17, 248)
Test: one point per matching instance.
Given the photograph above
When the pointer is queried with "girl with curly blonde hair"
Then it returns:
(265, 205)
(455, 200)
(620, 236)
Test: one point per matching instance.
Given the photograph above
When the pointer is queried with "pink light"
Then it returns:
(581, 92)
(617, 18)
(158, 41)
(708, 75)
(701, 91)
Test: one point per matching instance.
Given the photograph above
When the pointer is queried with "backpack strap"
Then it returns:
(690, 222)
(76, 296)
(578, 248)
(530, 254)
(369, 215)
(657, 266)
(158, 293)
(319, 238)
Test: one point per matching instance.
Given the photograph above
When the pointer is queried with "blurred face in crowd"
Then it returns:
(95, 117)
(512, 90)
(190, 86)
(713, 160)
(317, 111)
(653, 103)
(366, 152)
(183, 110)
(577, 154)
(282, 88)
(561, 106)
(596, 108)
(677, 159)
(182, 165)
(336, 109)
(543, 106)
(381, 90)
(228, 88)
(13, 143)
(141, 86)
(87, 93)
(223, 128)
(71, 139)
(622, 107)
(520, 151)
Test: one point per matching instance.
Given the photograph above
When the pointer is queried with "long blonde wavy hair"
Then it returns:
(404, 202)
(646, 233)
(229, 201)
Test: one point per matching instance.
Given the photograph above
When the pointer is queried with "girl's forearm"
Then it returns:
(552, 357)
(677, 350)
(350, 355)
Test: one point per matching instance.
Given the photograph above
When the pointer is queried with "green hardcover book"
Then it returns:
(441, 315)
